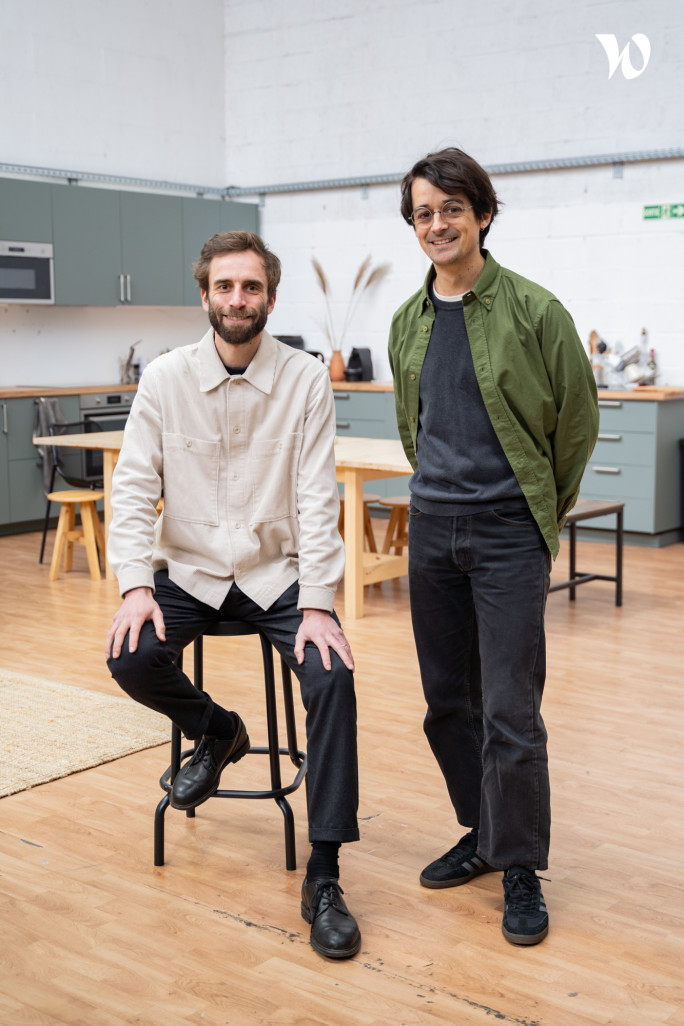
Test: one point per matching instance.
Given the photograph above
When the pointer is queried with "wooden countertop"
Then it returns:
(362, 386)
(35, 391)
(657, 393)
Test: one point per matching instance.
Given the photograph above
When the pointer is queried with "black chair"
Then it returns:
(277, 791)
(70, 465)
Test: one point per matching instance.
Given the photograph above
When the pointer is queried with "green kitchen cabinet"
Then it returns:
(636, 461)
(116, 248)
(25, 211)
(87, 239)
(152, 249)
(203, 218)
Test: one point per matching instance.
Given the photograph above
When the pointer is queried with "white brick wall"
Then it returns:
(347, 89)
(262, 91)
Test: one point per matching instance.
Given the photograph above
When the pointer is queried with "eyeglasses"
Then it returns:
(451, 212)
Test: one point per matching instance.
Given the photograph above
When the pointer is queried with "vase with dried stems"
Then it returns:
(366, 277)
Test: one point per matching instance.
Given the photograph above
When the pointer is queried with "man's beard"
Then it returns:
(239, 332)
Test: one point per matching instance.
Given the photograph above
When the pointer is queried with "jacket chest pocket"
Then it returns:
(191, 479)
(274, 477)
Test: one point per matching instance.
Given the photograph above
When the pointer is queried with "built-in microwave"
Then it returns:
(27, 272)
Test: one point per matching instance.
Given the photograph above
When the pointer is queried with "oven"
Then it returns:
(104, 411)
(27, 272)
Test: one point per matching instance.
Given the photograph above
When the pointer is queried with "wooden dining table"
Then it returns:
(356, 459)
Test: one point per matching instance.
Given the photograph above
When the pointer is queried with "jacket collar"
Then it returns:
(260, 372)
(484, 289)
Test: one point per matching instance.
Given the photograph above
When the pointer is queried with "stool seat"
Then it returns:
(90, 533)
(278, 791)
(396, 535)
(369, 536)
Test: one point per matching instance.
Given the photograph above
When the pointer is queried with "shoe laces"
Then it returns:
(466, 846)
(523, 892)
(327, 896)
(203, 753)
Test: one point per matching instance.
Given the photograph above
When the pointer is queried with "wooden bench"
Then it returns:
(585, 509)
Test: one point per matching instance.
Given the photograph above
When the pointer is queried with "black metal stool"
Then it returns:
(230, 629)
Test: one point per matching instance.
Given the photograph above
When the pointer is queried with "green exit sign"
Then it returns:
(655, 213)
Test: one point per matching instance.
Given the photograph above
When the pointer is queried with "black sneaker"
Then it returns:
(460, 864)
(525, 919)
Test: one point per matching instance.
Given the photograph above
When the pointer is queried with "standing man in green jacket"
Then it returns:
(498, 414)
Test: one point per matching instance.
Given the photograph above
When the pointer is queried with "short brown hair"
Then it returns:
(452, 170)
(236, 242)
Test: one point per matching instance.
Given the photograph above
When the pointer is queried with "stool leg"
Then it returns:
(573, 559)
(99, 537)
(274, 751)
(88, 514)
(618, 560)
(159, 831)
(368, 529)
(60, 541)
(391, 528)
(71, 534)
(402, 535)
(271, 712)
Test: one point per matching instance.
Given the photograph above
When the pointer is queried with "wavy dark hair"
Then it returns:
(237, 242)
(452, 170)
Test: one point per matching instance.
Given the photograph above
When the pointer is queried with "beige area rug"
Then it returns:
(50, 730)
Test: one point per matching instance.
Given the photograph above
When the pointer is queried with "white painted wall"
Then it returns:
(351, 87)
(132, 88)
(347, 88)
(261, 91)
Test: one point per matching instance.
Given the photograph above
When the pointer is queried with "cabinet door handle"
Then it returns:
(5, 429)
(341, 395)
(122, 295)
(128, 288)
(609, 438)
(606, 470)
(610, 402)
(343, 426)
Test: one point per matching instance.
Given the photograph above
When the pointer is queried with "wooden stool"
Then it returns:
(278, 791)
(89, 534)
(368, 535)
(396, 535)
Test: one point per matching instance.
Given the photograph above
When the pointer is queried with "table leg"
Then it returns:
(109, 459)
(353, 543)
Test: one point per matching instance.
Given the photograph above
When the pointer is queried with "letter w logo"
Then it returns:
(615, 58)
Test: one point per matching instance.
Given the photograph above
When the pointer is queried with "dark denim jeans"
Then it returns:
(478, 588)
(150, 676)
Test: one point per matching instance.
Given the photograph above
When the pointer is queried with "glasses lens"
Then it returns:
(450, 212)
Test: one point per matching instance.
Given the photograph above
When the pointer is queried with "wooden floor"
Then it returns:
(94, 935)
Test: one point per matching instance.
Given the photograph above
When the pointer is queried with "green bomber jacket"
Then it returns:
(534, 376)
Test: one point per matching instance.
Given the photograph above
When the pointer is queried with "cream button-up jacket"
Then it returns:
(247, 468)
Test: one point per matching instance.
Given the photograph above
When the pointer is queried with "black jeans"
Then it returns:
(478, 587)
(151, 676)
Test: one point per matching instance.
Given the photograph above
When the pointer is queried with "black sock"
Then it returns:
(222, 724)
(323, 863)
